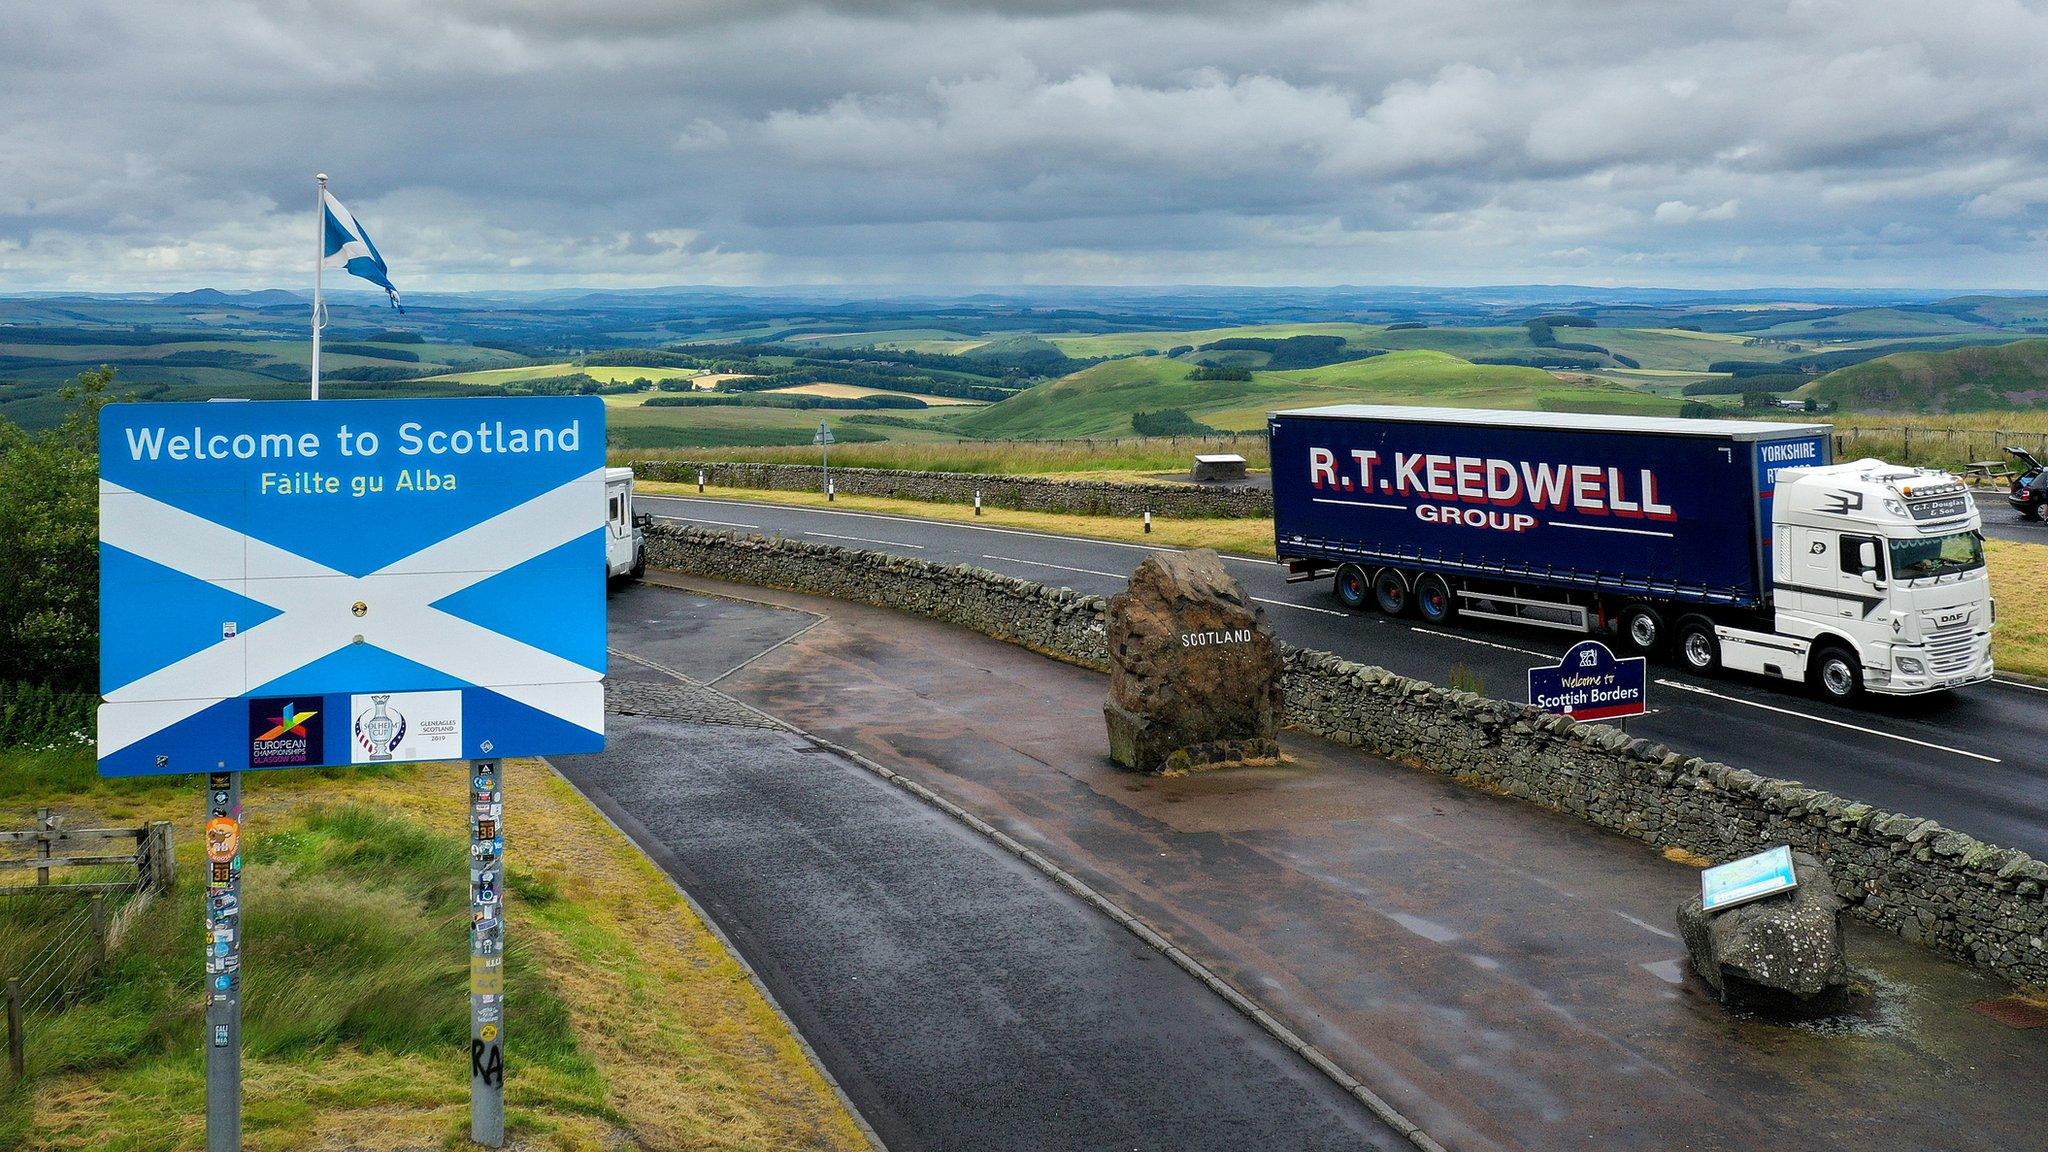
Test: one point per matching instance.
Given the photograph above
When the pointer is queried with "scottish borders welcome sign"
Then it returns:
(295, 583)
(1590, 683)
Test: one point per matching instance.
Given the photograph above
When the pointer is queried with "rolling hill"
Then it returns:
(1974, 379)
(1098, 401)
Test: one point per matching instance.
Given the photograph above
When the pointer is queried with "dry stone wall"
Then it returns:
(1974, 901)
(1022, 493)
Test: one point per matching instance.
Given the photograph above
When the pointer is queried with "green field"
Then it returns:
(602, 373)
(1975, 379)
(1133, 343)
(1100, 400)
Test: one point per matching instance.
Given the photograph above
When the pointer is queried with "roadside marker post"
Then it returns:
(1148, 523)
(824, 441)
(977, 501)
(302, 584)
(700, 480)
(487, 954)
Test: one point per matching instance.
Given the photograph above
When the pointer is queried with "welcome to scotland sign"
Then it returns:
(295, 583)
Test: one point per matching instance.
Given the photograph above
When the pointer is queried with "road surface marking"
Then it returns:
(1061, 567)
(1303, 607)
(1684, 687)
(2018, 684)
(1487, 643)
(1645, 925)
(759, 504)
(867, 540)
(720, 523)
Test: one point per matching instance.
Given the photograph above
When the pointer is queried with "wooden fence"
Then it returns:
(61, 931)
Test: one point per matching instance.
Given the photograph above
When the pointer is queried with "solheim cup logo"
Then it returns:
(380, 728)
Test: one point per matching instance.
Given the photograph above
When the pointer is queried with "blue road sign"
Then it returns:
(290, 584)
(1590, 684)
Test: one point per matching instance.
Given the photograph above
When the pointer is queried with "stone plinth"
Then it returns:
(1780, 955)
(1194, 677)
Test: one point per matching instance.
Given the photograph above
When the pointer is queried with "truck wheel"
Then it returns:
(1836, 673)
(1433, 600)
(1642, 630)
(1699, 650)
(1391, 592)
(639, 564)
(1354, 591)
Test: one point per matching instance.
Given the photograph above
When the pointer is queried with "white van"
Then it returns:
(625, 545)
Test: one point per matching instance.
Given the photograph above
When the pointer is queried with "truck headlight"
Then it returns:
(1911, 666)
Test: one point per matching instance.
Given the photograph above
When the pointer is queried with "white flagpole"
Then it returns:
(319, 258)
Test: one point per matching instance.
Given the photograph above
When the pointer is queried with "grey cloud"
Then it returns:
(664, 142)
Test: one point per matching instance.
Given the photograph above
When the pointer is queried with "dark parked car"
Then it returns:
(2030, 488)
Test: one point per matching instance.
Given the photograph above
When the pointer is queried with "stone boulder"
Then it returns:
(1781, 955)
(1194, 676)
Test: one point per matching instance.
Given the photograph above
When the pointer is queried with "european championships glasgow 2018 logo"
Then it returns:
(380, 728)
(283, 735)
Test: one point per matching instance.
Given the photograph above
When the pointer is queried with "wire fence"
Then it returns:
(1981, 451)
(57, 932)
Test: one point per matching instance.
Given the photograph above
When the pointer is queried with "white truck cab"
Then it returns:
(625, 545)
(1878, 583)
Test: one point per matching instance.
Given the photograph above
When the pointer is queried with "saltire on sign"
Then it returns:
(291, 584)
(348, 247)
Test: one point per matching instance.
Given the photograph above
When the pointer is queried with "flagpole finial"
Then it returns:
(321, 177)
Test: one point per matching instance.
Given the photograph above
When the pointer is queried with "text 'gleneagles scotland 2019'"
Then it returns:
(414, 439)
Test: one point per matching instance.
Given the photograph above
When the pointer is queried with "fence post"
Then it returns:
(17, 1058)
(163, 859)
(100, 925)
(43, 843)
(1907, 452)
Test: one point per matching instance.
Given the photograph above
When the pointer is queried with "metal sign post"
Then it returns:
(224, 962)
(487, 954)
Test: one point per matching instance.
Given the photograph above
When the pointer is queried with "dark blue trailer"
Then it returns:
(1558, 519)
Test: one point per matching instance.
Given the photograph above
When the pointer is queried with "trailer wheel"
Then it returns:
(1642, 630)
(1433, 600)
(1699, 650)
(1836, 673)
(1390, 590)
(1354, 591)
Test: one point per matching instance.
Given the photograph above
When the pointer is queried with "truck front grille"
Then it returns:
(1951, 649)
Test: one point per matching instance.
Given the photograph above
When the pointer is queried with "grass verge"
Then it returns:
(1244, 537)
(2020, 643)
(629, 1025)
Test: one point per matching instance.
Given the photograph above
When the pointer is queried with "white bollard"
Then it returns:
(700, 479)
(1148, 523)
(977, 501)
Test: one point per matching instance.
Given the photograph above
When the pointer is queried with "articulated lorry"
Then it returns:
(1720, 543)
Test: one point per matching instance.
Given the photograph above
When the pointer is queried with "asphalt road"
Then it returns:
(2002, 523)
(1976, 760)
(961, 999)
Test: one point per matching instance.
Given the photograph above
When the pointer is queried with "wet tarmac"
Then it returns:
(1508, 977)
(961, 999)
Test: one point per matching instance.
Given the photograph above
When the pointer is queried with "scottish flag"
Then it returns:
(348, 248)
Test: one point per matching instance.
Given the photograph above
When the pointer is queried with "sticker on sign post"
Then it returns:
(1590, 683)
(1751, 878)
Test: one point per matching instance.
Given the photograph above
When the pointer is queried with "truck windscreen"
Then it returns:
(1937, 555)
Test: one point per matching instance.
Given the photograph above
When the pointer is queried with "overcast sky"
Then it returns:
(543, 143)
